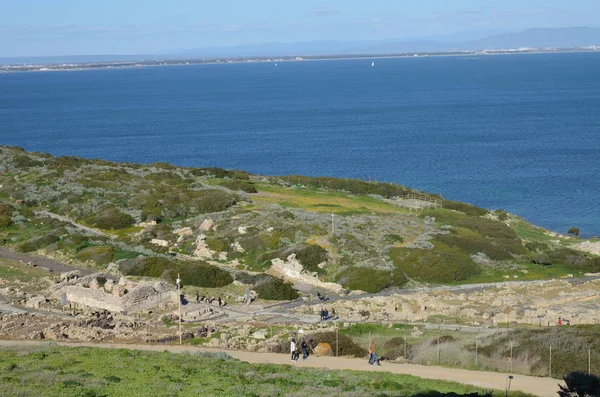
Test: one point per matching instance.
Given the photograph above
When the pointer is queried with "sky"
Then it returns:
(85, 27)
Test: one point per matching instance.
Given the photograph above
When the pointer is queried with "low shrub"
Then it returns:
(243, 186)
(199, 274)
(253, 279)
(276, 290)
(311, 256)
(213, 200)
(442, 264)
(146, 266)
(217, 244)
(444, 216)
(101, 255)
(465, 208)
(354, 186)
(580, 384)
(488, 227)
(24, 161)
(502, 215)
(535, 246)
(393, 238)
(6, 209)
(496, 249)
(5, 221)
(36, 243)
(110, 218)
(370, 280)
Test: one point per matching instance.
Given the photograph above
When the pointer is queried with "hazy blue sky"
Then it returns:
(61, 27)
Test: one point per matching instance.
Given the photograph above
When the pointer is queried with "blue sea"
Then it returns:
(518, 132)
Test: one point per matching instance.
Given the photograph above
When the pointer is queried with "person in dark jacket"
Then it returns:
(304, 348)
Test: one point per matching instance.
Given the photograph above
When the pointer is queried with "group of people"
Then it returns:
(207, 299)
(373, 359)
(294, 350)
(562, 321)
(325, 315)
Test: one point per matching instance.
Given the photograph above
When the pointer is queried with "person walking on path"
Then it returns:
(372, 355)
(304, 348)
(293, 350)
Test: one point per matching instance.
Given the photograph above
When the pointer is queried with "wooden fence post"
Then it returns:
(476, 350)
(550, 363)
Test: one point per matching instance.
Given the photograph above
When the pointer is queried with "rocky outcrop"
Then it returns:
(291, 270)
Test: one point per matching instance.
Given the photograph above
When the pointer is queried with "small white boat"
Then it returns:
(372, 63)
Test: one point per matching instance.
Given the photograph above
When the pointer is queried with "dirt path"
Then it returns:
(77, 225)
(41, 261)
(542, 387)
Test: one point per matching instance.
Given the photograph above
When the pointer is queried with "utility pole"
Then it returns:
(179, 301)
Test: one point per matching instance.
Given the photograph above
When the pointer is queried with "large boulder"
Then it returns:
(323, 349)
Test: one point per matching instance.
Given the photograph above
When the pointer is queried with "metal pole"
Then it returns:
(179, 301)
(438, 350)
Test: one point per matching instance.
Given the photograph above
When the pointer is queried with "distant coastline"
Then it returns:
(79, 66)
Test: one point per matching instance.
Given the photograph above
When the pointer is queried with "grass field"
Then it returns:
(65, 372)
(322, 201)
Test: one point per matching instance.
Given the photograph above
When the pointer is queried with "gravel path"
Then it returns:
(542, 387)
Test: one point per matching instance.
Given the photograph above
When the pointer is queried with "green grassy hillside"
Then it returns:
(376, 242)
(54, 371)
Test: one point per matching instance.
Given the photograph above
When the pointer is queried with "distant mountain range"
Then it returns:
(536, 37)
(539, 38)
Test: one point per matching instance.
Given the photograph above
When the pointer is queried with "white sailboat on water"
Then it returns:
(373, 63)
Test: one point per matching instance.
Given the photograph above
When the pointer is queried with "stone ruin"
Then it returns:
(101, 291)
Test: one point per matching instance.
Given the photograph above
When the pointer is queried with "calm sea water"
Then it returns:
(519, 132)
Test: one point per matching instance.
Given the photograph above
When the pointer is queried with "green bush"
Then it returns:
(535, 246)
(101, 255)
(441, 264)
(354, 186)
(393, 238)
(213, 200)
(236, 185)
(36, 243)
(310, 256)
(488, 227)
(5, 221)
(146, 266)
(370, 280)
(574, 231)
(502, 215)
(110, 218)
(200, 275)
(6, 209)
(496, 249)
(444, 217)
(24, 161)
(151, 207)
(217, 244)
(276, 290)
(580, 384)
(273, 239)
(253, 279)
(465, 208)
